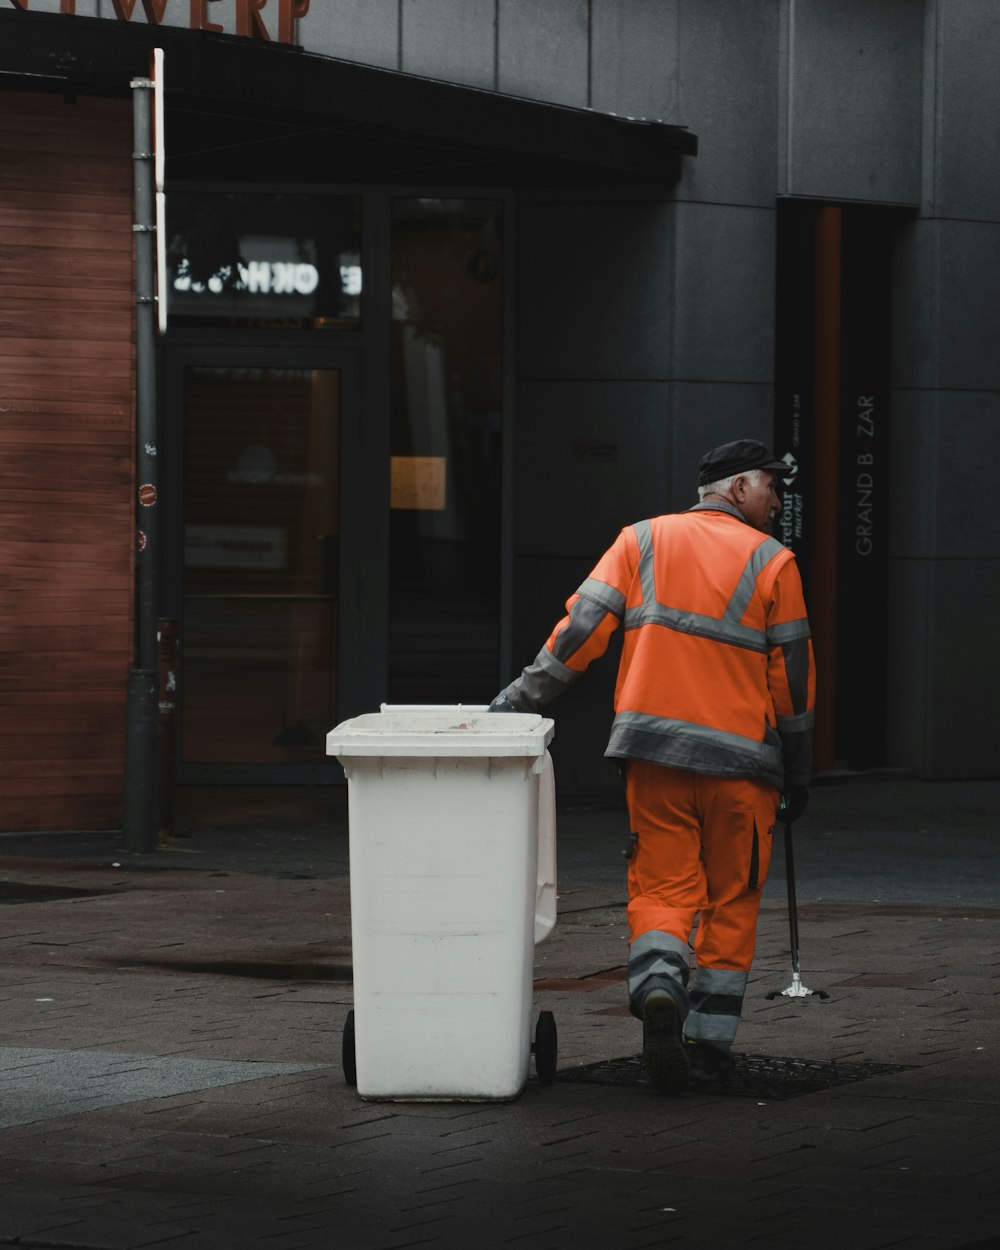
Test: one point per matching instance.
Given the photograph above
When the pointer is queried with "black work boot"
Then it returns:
(710, 1066)
(663, 1050)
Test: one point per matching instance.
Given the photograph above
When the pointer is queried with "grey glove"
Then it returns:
(501, 704)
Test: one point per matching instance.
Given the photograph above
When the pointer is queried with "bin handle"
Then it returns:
(545, 888)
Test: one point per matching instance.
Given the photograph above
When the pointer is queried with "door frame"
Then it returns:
(355, 607)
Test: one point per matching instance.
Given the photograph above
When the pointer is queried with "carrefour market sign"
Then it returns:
(256, 19)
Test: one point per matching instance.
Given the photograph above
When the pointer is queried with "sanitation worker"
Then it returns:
(712, 729)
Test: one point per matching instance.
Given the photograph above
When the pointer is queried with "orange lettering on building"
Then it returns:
(199, 17)
(288, 11)
(154, 9)
(248, 19)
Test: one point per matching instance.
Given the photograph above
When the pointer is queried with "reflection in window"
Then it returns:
(273, 261)
(447, 355)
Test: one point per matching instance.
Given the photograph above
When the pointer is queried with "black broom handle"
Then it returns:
(793, 919)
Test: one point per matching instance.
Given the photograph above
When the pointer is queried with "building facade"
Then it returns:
(454, 289)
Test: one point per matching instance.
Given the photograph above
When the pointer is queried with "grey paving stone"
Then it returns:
(41, 1083)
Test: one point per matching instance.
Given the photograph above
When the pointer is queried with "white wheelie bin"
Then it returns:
(452, 852)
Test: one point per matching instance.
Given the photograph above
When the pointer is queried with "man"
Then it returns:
(713, 725)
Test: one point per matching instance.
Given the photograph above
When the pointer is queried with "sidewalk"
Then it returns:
(171, 1033)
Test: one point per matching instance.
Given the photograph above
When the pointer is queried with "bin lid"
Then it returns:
(430, 732)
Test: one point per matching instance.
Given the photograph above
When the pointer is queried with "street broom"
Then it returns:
(796, 989)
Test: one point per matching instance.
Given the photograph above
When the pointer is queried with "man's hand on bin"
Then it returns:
(793, 804)
(501, 704)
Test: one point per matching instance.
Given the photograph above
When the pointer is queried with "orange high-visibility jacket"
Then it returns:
(717, 671)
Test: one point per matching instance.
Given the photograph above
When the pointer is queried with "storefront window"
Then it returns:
(445, 531)
(261, 564)
(266, 261)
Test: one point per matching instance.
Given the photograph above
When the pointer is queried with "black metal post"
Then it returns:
(141, 764)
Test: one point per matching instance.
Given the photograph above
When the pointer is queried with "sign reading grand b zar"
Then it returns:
(256, 19)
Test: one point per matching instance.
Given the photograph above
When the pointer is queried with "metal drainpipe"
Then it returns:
(142, 691)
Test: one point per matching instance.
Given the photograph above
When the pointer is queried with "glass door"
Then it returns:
(257, 579)
(446, 452)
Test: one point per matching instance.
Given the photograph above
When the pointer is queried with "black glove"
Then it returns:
(793, 804)
(501, 704)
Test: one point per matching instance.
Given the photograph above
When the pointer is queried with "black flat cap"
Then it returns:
(737, 457)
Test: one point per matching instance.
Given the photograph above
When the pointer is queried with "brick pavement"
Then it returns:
(247, 969)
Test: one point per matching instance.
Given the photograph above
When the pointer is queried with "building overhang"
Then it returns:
(270, 112)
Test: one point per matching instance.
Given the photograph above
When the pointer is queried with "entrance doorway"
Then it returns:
(832, 383)
(254, 578)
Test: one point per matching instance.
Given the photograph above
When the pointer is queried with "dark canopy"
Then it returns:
(239, 108)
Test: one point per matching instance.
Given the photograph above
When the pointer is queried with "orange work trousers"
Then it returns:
(703, 850)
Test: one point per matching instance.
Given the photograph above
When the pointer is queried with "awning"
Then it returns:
(260, 112)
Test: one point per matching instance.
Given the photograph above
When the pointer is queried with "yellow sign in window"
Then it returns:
(418, 482)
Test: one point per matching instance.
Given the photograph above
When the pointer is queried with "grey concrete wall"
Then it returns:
(850, 100)
(963, 167)
(519, 47)
(728, 96)
(355, 30)
(449, 40)
(945, 573)
(635, 58)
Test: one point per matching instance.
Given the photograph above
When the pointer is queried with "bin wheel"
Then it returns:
(545, 1048)
(347, 1051)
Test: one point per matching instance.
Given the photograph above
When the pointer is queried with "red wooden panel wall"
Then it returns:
(66, 479)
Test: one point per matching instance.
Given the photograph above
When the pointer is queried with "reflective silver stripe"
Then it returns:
(715, 628)
(796, 724)
(658, 960)
(699, 1027)
(718, 1025)
(539, 683)
(547, 661)
(719, 981)
(656, 970)
(657, 940)
(788, 631)
(728, 627)
(683, 750)
(644, 537)
(601, 593)
(646, 723)
(585, 617)
(760, 558)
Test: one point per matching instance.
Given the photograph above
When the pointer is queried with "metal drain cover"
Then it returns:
(755, 1076)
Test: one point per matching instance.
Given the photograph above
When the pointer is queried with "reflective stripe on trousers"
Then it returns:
(658, 961)
(703, 851)
(712, 1005)
(716, 1003)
